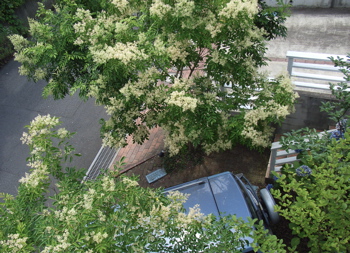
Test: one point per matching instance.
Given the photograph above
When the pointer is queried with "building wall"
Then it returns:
(307, 113)
(315, 3)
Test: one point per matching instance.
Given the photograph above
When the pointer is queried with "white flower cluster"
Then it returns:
(254, 34)
(177, 50)
(115, 105)
(39, 74)
(129, 182)
(178, 199)
(62, 133)
(175, 139)
(217, 58)
(234, 7)
(39, 174)
(39, 126)
(157, 96)
(110, 141)
(126, 53)
(120, 4)
(62, 244)
(108, 184)
(64, 198)
(258, 116)
(183, 220)
(36, 28)
(210, 98)
(14, 243)
(211, 23)
(18, 41)
(260, 138)
(130, 89)
(81, 27)
(183, 8)
(222, 142)
(98, 237)
(286, 85)
(101, 216)
(214, 29)
(160, 9)
(89, 198)
(183, 83)
(157, 216)
(161, 213)
(180, 99)
(121, 27)
(67, 215)
(145, 81)
(92, 30)
(83, 14)
(38, 130)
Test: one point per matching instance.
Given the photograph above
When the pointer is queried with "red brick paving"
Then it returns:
(136, 153)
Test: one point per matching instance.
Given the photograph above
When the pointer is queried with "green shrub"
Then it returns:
(6, 49)
(313, 194)
(9, 24)
(7, 10)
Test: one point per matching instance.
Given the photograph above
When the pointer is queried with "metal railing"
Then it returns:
(102, 161)
(279, 156)
(314, 70)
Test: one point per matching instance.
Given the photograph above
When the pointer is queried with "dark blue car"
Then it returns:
(229, 194)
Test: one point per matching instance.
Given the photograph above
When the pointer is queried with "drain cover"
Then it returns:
(155, 175)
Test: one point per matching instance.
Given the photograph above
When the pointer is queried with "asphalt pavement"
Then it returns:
(20, 102)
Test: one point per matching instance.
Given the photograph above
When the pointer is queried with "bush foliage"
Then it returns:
(9, 24)
(314, 193)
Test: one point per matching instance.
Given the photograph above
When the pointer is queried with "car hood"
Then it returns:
(219, 195)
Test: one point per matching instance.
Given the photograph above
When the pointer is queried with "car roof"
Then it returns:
(218, 194)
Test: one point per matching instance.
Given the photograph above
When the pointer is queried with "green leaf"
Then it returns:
(295, 241)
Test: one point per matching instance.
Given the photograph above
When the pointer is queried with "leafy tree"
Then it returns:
(108, 214)
(180, 64)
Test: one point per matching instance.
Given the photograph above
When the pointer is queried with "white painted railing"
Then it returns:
(313, 70)
(279, 157)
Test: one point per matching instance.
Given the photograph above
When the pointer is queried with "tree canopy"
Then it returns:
(190, 67)
(108, 214)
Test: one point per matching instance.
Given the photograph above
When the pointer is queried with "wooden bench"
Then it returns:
(314, 70)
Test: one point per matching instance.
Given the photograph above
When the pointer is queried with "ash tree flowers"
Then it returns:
(105, 215)
(162, 63)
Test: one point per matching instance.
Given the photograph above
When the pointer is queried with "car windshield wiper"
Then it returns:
(185, 186)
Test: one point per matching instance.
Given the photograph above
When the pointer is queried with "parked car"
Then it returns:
(229, 194)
